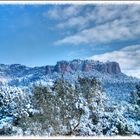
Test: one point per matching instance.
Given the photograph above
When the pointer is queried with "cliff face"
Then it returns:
(85, 66)
(48, 69)
(110, 68)
(17, 70)
(114, 68)
(62, 67)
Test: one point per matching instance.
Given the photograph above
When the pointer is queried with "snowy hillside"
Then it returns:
(16, 91)
(117, 85)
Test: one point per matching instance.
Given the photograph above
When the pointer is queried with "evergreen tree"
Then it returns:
(135, 102)
(68, 97)
(56, 109)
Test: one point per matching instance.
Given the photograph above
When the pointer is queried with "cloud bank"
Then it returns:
(128, 58)
(101, 24)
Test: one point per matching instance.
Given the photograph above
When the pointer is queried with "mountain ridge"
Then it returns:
(18, 70)
(117, 84)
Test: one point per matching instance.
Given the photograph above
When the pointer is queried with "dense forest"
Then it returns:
(64, 109)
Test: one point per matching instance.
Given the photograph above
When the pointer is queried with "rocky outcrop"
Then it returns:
(109, 67)
(75, 65)
(85, 66)
(62, 67)
(113, 68)
(17, 70)
(48, 69)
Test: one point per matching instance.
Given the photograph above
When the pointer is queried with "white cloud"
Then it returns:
(62, 13)
(71, 10)
(103, 23)
(116, 30)
(128, 58)
(54, 14)
(74, 22)
(99, 14)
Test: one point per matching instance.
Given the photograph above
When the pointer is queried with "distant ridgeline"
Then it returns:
(117, 84)
(85, 66)
(17, 70)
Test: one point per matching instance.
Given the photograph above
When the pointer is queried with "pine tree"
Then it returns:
(57, 109)
(135, 103)
(138, 94)
(68, 97)
(92, 91)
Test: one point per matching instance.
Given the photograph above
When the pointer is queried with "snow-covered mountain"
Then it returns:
(16, 83)
(18, 71)
(117, 84)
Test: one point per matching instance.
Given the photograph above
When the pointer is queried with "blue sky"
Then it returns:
(36, 35)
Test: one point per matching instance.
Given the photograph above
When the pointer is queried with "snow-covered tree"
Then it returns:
(56, 109)
(135, 103)
(81, 108)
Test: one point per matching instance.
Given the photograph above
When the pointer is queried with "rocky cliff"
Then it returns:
(17, 70)
(85, 66)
